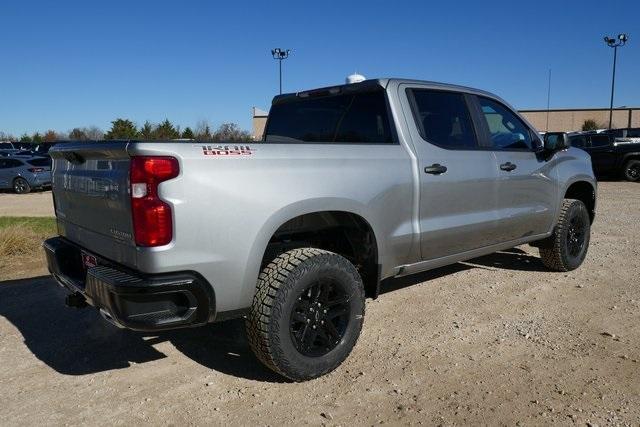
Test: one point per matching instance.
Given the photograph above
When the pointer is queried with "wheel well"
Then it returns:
(344, 233)
(630, 157)
(584, 192)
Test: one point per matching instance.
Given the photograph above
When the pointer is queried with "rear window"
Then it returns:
(348, 118)
(44, 162)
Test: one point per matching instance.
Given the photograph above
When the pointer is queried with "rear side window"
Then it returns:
(506, 130)
(599, 140)
(5, 146)
(443, 118)
(40, 162)
(347, 118)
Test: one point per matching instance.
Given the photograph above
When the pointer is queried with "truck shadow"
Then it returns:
(80, 342)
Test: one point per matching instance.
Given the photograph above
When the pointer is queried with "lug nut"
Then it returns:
(314, 326)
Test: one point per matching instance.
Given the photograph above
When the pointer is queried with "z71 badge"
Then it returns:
(227, 150)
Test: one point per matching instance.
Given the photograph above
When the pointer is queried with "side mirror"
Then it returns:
(555, 141)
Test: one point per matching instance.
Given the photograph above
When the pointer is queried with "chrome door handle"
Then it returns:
(435, 169)
(507, 166)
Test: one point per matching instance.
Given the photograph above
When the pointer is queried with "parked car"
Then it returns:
(609, 156)
(352, 186)
(7, 148)
(24, 173)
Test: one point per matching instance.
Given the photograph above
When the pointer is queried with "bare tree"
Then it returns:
(4, 136)
(94, 133)
(203, 130)
(231, 132)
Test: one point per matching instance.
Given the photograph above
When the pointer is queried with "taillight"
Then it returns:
(152, 224)
(34, 170)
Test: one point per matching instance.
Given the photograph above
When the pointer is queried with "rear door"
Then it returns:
(526, 185)
(457, 177)
(603, 157)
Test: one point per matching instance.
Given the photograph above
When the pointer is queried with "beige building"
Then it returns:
(560, 120)
(567, 120)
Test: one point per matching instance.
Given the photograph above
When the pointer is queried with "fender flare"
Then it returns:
(293, 210)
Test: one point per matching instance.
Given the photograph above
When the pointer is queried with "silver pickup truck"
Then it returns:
(351, 186)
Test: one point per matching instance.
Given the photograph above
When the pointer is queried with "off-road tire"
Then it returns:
(21, 186)
(280, 286)
(631, 170)
(555, 250)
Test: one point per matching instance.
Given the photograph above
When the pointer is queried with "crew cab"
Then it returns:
(350, 187)
(611, 155)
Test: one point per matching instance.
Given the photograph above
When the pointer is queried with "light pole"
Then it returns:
(280, 54)
(614, 43)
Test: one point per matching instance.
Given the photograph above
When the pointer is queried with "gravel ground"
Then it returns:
(37, 203)
(497, 340)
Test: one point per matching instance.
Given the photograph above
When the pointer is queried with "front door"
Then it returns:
(526, 185)
(457, 177)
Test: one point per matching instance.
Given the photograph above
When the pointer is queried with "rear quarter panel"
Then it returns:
(227, 207)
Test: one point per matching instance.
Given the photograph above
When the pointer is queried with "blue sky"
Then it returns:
(80, 63)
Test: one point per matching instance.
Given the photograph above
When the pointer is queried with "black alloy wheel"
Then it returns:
(320, 318)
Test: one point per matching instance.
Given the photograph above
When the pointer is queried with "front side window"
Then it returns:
(506, 130)
(443, 118)
(345, 118)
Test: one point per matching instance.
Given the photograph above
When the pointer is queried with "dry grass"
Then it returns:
(21, 239)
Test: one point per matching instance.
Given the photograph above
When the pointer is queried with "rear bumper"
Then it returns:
(132, 299)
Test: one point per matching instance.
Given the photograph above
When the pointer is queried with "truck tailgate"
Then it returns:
(91, 196)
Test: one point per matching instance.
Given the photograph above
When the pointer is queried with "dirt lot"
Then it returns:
(37, 203)
(498, 340)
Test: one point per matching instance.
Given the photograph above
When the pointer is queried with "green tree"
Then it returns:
(188, 133)
(231, 132)
(37, 138)
(166, 130)
(122, 129)
(78, 134)
(146, 131)
(25, 138)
